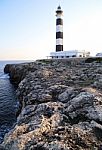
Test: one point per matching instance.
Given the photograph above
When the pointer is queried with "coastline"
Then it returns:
(61, 105)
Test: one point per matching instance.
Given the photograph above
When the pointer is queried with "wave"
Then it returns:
(4, 76)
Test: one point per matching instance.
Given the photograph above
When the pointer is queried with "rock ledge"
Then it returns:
(61, 106)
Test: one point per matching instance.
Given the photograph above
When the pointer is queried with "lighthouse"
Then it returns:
(59, 29)
(59, 53)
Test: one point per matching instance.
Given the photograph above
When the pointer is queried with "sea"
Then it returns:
(9, 103)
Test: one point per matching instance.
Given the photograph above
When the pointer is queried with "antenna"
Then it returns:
(59, 2)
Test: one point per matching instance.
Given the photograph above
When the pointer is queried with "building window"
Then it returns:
(73, 55)
(67, 56)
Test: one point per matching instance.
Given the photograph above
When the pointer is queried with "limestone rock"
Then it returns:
(60, 105)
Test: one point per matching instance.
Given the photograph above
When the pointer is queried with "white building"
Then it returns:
(69, 54)
(99, 55)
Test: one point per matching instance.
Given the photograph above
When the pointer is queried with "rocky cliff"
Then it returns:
(61, 105)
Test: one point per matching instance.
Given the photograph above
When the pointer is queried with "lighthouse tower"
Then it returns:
(59, 30)
(59, 53)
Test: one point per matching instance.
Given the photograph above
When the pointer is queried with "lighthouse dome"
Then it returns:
(59, 7)
(59, 11)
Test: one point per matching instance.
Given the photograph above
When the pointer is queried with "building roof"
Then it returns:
(59, 7)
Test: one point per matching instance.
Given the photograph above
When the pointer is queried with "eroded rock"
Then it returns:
(61, 106)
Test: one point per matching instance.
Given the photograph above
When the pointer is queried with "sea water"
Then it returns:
(8, 101)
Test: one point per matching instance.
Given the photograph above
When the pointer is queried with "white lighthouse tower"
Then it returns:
(59, 29)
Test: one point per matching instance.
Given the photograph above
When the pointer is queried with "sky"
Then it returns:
(28, 27)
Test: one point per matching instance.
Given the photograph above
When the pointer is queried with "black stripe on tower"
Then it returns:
(59, 35)
(59, 21)
(59, 48)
